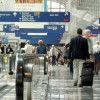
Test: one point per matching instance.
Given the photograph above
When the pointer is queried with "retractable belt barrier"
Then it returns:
(24, 71)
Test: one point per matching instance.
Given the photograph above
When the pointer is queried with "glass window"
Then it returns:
(54, 5)
(48, 3)
(54, 10)
(62, 6)
(62, 10)
(48, 10)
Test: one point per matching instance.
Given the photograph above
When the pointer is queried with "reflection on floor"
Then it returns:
(7, 93)
(61, 86)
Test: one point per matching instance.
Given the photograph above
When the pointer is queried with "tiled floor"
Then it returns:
(60, 87)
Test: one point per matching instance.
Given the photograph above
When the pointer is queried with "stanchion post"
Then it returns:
(29, 96)
(10, 65)
(45, 70)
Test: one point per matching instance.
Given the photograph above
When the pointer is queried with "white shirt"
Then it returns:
(90, 45)
(28, 48)
(96, 48)
(53, 52)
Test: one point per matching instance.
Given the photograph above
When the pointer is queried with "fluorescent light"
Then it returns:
(37, 34)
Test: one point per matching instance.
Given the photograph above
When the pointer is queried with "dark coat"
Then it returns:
(8, 50)
(41, 49)
(78, 48)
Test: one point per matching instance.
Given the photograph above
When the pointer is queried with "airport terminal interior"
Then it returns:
(36, 39)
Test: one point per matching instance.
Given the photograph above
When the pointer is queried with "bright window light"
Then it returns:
(62, 10)
(54, 10)
(62, 6)
(48, 3)
(54, 5)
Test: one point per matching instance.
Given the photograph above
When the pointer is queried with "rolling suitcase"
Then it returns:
(87, 74)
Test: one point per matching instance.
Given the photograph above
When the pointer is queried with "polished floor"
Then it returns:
(59, 87)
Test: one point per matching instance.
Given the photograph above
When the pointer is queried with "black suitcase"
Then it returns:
(87, 74)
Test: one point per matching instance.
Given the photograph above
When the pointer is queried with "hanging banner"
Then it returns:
(34, 16)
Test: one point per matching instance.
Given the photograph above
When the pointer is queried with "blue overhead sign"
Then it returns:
(34, 16)
(4, 39)
(94, 29)
(51, 34)
(10, 27)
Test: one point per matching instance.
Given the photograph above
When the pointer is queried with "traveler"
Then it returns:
(53, 54)
(41, 49)
(65, 54)
(78, 51)
(17, 48)
(9, 49)
(28, 47)
(87, 34)
(1, 48)
(59, 55)
(96, 51)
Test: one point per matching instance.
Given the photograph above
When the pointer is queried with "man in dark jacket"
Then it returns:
(78, 51)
